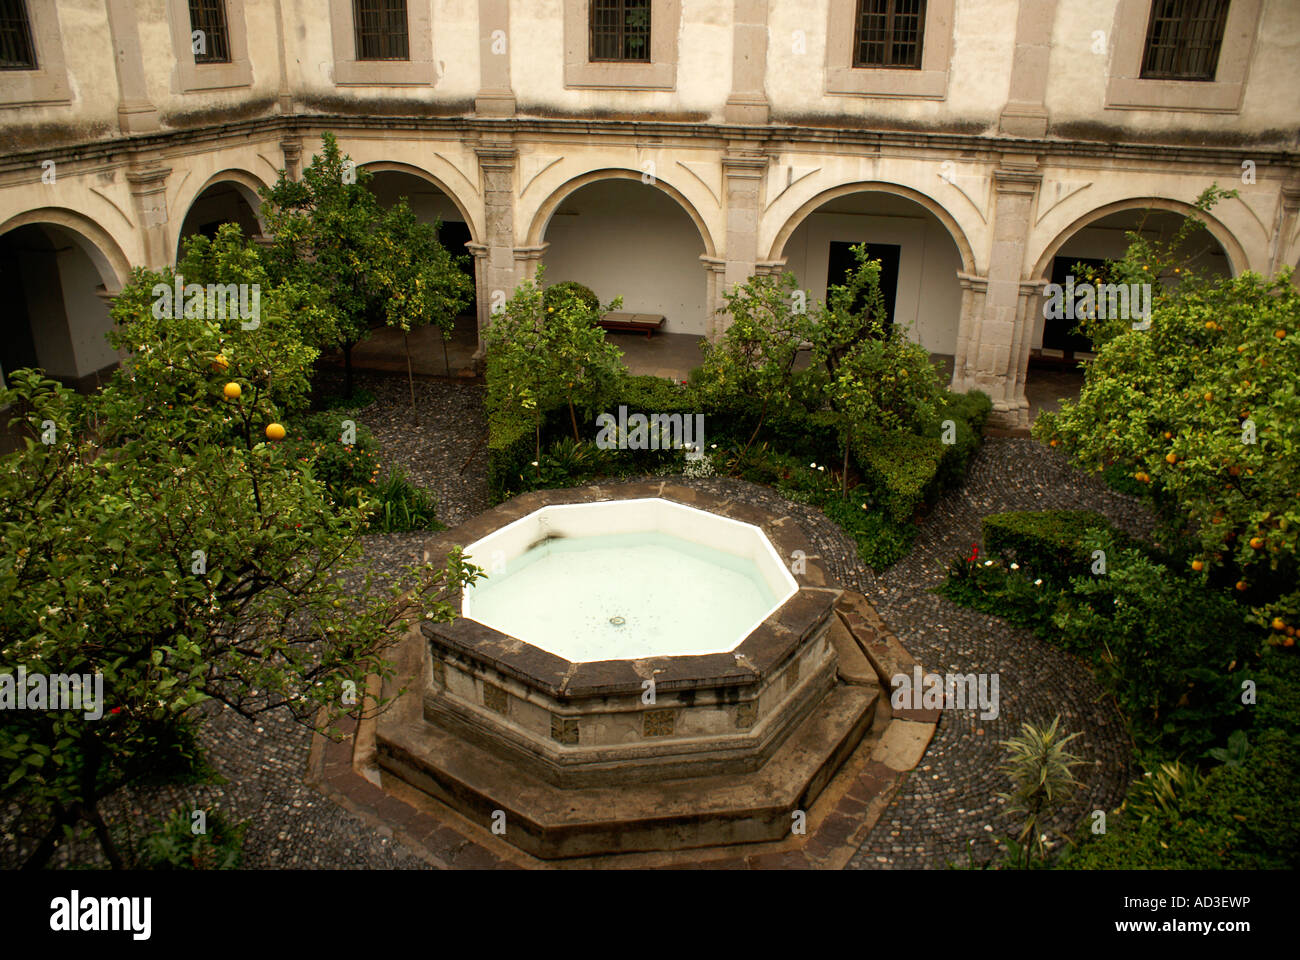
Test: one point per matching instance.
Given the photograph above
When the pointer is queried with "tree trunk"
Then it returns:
(446, 363)
(844, 479)
(573, 418)
(105, 840)
(45, 849)
(410, 376)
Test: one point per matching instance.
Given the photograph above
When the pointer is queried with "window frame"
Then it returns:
(34, 63)
(930, 82)
(417, 70)
(657, 73)
(192, 76)
(48, 82)
(217, 5)
(1128, 90)
(1216, 46)
(890, 14)
(385, 37)
(622, 30)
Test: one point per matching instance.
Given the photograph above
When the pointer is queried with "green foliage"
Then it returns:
(1244, 816)
(1042, 777)
(175, 846)
(1173, 407)
(901, 467)
(557, 293)
(347, 469)
(101, 575)
(401, 506)
(1054, 544)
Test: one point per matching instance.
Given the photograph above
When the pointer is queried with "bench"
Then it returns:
(646, 323)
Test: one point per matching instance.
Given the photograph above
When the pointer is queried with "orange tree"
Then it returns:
(1201, 410)
(157, 535)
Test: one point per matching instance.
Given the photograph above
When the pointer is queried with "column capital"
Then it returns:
(525, 254)
(713, 264)
(746, 166)
(499, 155)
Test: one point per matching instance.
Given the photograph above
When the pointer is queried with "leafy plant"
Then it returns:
(1041, 771)
(175, 845)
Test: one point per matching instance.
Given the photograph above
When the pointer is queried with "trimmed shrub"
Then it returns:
(969, 412)
(571, 288)
(1053, 543)
(901, 469)
(316, 439)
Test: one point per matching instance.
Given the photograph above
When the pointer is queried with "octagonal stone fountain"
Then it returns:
(644, 667)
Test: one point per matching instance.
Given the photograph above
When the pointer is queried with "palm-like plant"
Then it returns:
(1041, 770)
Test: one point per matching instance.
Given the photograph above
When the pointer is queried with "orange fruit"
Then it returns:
(1279, 623)
(1242, 585)
(232, 391)
(1171, 458)
(1208, 397)
(1289, 642)
(1256, 542)
(1198, 565)
(1168, 435)
(1052, 444)
(1280, 334)
(219, 362)
(274, 431)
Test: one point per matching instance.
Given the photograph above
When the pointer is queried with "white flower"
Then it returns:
(813, 466)
(1015, 566)
(534, 463)
(822, 469)
(713, 446)
(1038, 583)
(988, 563)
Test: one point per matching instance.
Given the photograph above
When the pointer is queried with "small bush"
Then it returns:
(901, 469)
(316, 440)
(402, 506)
(1053, 543)
(175, 846)
(557, 292)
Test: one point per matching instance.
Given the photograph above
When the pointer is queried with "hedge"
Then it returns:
(1049, 542)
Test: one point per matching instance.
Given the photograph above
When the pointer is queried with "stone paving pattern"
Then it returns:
(948, 799)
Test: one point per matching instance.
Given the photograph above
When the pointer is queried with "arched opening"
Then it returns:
(920, 260)
(431, 355)
(624, 238)
(1057, 346)
(57, 312)
(221, 201)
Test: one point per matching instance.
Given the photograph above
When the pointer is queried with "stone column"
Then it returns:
(291, 149)
(1025, 114)
(1027, 313)
(1288, 215)
(147, 178)
(482, 299)
(748, 100)
(715, 268)
(743, 202)
(497, 160)
(973, 291)
(997, 369)
(136, 113)
(495, 97)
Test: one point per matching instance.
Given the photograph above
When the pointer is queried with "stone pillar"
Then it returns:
(743, 202)
(998, 347)
(291, 149)
(147, 178)
(715, 268)
(973, 291)
(748, 100)
(1288, 215)
(1028, 312)
(497, 160)
(495, 97)
(1025, 114)
(136, 113)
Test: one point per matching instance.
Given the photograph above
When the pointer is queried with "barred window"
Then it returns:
(1183, 39)
(208, 18)
(887, 33)
(17, 52)
(380, 29)
(620, 30)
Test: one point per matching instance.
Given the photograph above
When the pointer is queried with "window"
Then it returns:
(380, 28)
(17, 52)
(888, 33)
(208, 20)
(1183, 38)
(620, 30)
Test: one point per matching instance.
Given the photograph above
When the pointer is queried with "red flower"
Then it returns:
(116, 710)
(974, 553)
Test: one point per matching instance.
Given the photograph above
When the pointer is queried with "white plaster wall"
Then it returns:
(928, 304)
(621, 237)
(1078, 77)
(978, 80)
(50, 333)
(88, 319)
(704, 42)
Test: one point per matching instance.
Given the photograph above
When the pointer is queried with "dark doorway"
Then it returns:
(841, 262)
(17, 349)
(453, 235)
(1062, 334)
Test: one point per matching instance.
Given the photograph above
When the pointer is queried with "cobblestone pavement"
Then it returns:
(948, 799)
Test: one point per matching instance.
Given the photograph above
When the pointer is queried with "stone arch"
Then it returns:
(394, 166)
(542, 218)
(96, 242)
(1232, 248)
(938, 210)
(246, 184)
